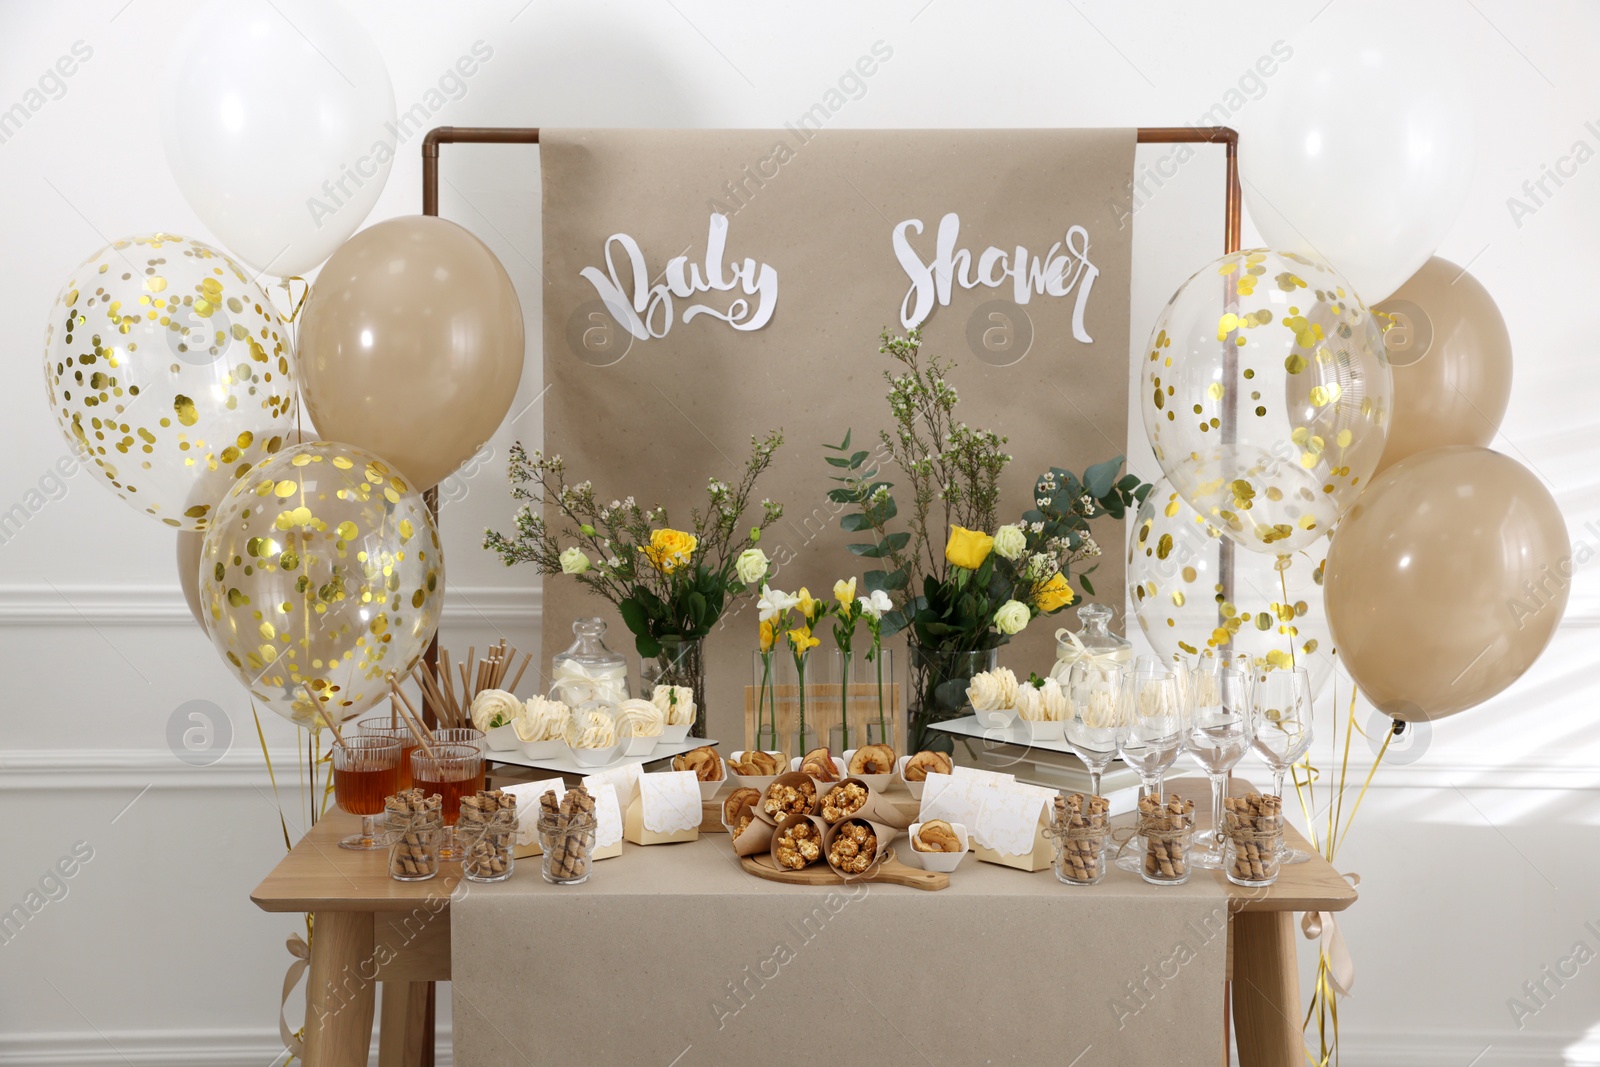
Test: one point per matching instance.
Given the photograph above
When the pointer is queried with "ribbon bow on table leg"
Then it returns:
(302, 959)
(1322, 924)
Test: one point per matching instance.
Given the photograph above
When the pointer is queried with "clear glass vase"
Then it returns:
(863, 684)
(938, 691)
(680, 662)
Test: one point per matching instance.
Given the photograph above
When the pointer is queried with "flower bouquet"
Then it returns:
(990, 580)
(671, 586)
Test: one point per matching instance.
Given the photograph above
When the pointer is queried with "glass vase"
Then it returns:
(938, 691)
(680, 662)
(862, 684)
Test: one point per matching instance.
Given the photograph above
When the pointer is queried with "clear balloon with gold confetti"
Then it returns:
(1180, 568)
(320, 576)
(170, 371)
(1266, 394)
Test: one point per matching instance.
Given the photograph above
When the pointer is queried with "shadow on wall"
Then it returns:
(572, 69)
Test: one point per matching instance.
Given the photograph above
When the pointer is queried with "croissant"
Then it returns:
(818, 763)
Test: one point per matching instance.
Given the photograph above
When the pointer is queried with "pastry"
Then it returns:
(1045, 702)
(921, 765)
(738, 800)
(872, 759)
(798, 845)
(492, 708)
(818, 763)
(843, 801)
(639, 718)
(542, 720)
(676, 703)
(592, 729)
(755, 764)
(994, 690)
(703, 761)
(853, 848)
(935, 836)
(784, 799)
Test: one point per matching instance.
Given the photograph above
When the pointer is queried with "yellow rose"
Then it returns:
(802, 641)
(1055, 594)
(769, 634)
(670, 549)
(968, 548)
(845, 594)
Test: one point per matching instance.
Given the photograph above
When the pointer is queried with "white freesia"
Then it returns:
(875, 603)
(994, 690)
(751, 566)
(494, 707)
(774, 602)
(1010, 541)
(676, 703)
(1012, 617)
(573, 561)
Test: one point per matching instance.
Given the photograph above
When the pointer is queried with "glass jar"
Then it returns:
(1080, 830)
(681, 661)
(588, 670)
(568, 844)
(938, 692)
(486, 845)
(1166, 832)
(1094, 640)
(414, 824)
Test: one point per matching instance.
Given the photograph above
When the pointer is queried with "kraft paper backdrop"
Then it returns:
(655, 417)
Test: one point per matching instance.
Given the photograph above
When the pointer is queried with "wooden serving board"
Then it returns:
(890, 871)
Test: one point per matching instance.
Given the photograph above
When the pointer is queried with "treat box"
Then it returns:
(996, 720)
(675, 735)
(595, 758)
(640, 746)
(560, 763)
(943, 862)
(633, 828)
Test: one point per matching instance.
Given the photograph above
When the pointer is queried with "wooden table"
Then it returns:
(371, 930)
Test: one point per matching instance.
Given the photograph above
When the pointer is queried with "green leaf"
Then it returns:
(698, 609)
(634, 617)
(648, 646)
(836, 461)
(854, 523)
(1083, 580)
(842, 496)
(870, 551)
(1099, 479)
(897, 541)
(859, 458)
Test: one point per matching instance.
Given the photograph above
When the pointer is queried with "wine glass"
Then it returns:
(1221, 727)
(1092, 694)
(366, 770)
(1150, 729)
(1281, 704)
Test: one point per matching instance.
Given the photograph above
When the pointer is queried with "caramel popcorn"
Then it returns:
(783, 799)
(843, 801)
(854, 848)
(799, 845)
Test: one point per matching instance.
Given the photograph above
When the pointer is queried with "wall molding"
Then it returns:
(163, 605)
(258, 1047)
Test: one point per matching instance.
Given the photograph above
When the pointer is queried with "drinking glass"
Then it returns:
(366, 770)
(460, 735)
(452, 771)
(1092, 695)
(1150, 729)
(383, 726)
(1281, 704)
(1221, 727)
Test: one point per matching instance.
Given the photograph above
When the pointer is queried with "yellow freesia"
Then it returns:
(769, 634)
(670, 549)
(801, 641)
(845, 594)
(808, 605)
(968, 548)
(1055, 594)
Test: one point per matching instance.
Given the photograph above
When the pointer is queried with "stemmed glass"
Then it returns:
(1281, 705)
(1150, 728)
(366, 770)
(1221, 727)
(1092, 694)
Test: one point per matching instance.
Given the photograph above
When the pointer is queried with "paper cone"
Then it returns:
(882, 831)
(816, 821)
(876, 807)
(793, 778)
(757, 837)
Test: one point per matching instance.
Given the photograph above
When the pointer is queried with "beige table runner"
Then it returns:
(672, 955)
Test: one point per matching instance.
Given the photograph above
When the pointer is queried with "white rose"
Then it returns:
(993, 690)
(573, 561)
(1010, 541)
(676, 703)
(751, 566)
(1012, 617)
(494, 707)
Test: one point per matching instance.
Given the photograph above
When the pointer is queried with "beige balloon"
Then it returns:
(411, 345)
(189, 544)
(1450, 355)
(1446, 580)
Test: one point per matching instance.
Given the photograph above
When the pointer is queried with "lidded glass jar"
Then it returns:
(1094, 641)
(588, 670)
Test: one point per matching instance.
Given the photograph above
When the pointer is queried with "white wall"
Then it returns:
(1478, 862)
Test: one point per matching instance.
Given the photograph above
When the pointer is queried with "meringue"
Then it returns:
(592, 729)
(676, 703)
(994, 690)
(494, 707)
(543, 720)
(640, 718)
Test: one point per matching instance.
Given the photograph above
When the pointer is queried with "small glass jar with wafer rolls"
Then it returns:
(1166, 825)
(1253, 828)
(486, 834)
(566, 834)
(1080, 827)
(414, 821)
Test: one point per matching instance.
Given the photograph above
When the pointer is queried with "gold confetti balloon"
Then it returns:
(322, 570)
(1266, 394)
(171, 372)
(1177, 584)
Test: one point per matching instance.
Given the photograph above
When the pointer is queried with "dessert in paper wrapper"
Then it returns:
(607, 815)
(792, 793)
(528, 794)
(1010, 828)
(797, 843)
(853, 846)
(855, 798)
(664, 809)
(748, 833)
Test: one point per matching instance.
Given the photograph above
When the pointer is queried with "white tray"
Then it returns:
(565, 764)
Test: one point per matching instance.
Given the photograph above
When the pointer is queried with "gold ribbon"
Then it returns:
(1103, 660)
(302, 960)
(1322, 924)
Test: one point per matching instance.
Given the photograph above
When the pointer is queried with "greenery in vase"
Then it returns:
(670, 586)
(990, 580)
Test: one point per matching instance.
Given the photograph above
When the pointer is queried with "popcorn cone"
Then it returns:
(757, 837)
(876, 807)
(790, 778)
(884, 833)
(816, 822)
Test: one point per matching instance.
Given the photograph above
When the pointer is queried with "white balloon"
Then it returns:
(278, 121)
(1362, 151)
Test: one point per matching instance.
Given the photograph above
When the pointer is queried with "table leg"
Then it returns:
(1266, 990)
(339, 993)
(405, 1006)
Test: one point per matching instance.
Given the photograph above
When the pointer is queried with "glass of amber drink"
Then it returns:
(453, 772)
(366, 770)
